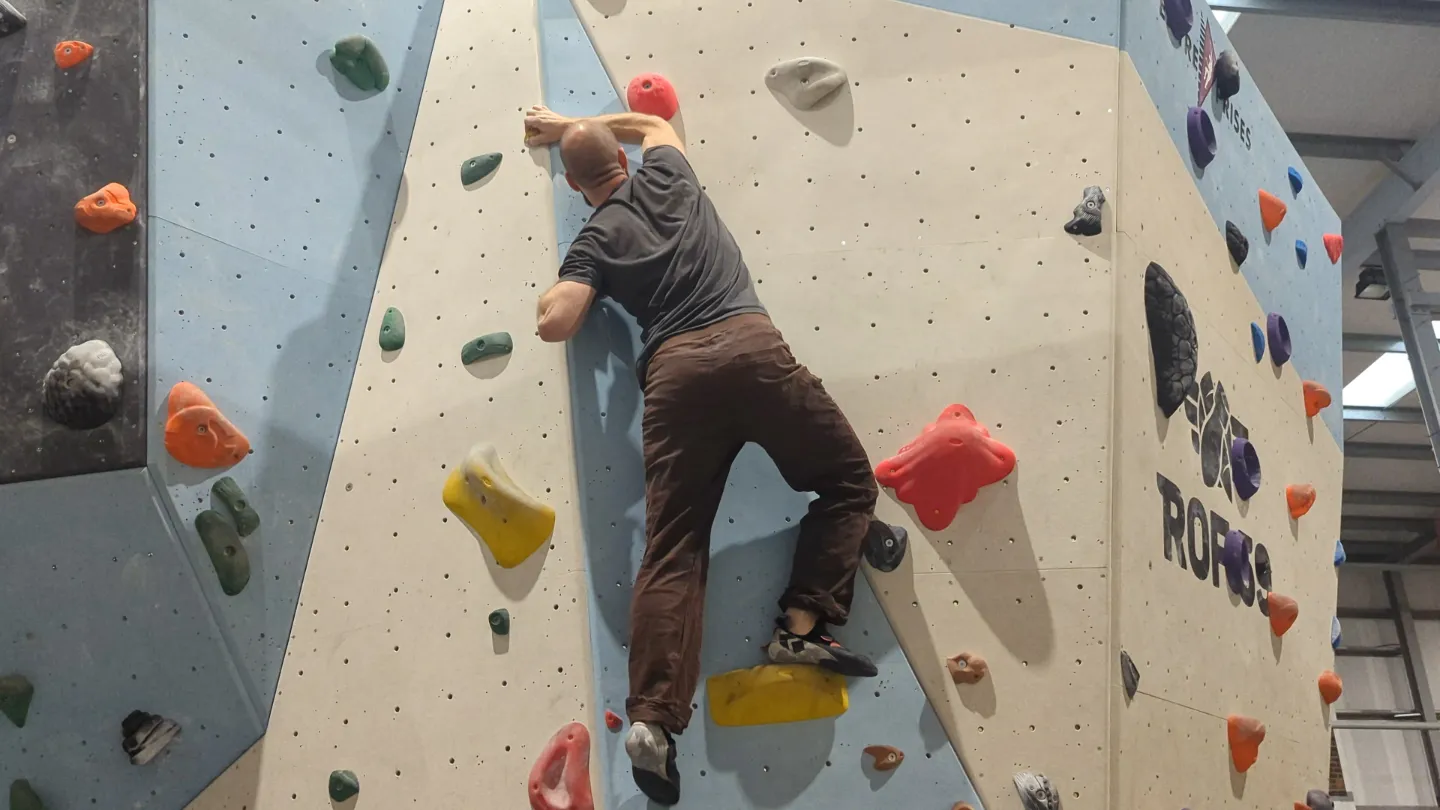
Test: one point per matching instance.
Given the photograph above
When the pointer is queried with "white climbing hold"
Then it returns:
(82, 389)
(806, 82)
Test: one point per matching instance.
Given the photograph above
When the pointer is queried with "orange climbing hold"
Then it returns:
(1284, 610)
(560, 778)
(105, 210)
(1299, 497)
(196, 433)
(887, 757)
(1334, 246)
(1330, 686)
(1272, 210)
(945, 467)
(1317, 397)
(72, 52)
(1246, 734)
(967, 667)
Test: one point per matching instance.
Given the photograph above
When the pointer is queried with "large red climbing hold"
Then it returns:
(1284, 610)
(1299, 498)
(1334, 246)
(945, 467)
(1272, 210)
(1246, 734)
(652, 94)
(560, 778)
(1330, 686)
(1317, 398)
(72, 52)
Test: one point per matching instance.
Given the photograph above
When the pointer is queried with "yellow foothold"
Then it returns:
(775, 693)
(509, 520)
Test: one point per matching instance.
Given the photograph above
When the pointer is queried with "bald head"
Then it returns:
(594, 161)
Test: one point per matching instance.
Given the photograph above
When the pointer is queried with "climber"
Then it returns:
(716, 374)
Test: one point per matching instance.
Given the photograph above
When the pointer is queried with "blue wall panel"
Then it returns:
(1090, 20)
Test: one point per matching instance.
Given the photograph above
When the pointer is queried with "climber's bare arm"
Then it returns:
(562, 309)
(544, 127)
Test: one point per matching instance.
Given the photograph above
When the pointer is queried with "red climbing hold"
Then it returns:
(1330, 686)
(560, 778)
(1246, 734)
(945, 467)
(1272, 210)
(72, 52)
(1334, 246)
(1299, 497)
(613, 721)
(1317, 397)
(652, 94)
(1284, 610)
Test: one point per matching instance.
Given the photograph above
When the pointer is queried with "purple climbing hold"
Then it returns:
(1236, 558)
(1279, 335)
(1302, 252)
(1257, 337)
(1227, 75)
(1296, 181)
(1179, 17)
(1244, 468)
(1202, 137)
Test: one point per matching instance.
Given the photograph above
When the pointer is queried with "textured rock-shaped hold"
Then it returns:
(1257, 340)
(1235, 557)
(560, 777)
(967, 667)
(806, 82)
(105, 210)
(886, 757)
(24, 797)
(1245, 735)
(1272, 210)
(885, 546)
(1244, 467)
(1087, 220)
(228, 494)
(1302, 253)
(1335, 635)
(775, 693)
(1201, 134)
(479, 167)
(1278, 333)
(945, 466)
(1317, 397)
(500, 622)
(196, 433)
(227, 553)
(144, 736)
(11, 20)
(1172, 338)
(1179, 17)
(72, 52)
(1317, 800)
(613, 721)
(1299, 498)
(1227, 74)
(1340, 557)
(512, 523)
(1297, 182)
(495, 344)
(1129, 675)
(392, 330)
(1236, 242)
(358, 59)
(1334, 246)
(652, 94)
(16, 692)
(1284, 610)
(83, 386)
(1036, 792)
(343, 785)
(1330, 686)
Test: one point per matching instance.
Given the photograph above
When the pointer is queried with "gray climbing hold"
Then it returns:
(1036, 792)
(229, 495)
(1086, 221)
(1227, 75)
(885, 546)
(500, 622)
(1172, 338)
(806, 82)
(392, 331)
(479, 167)
(343, 785)
(145, 735)
(1319, 800)
(16, 692)
(491, 345)
(1130, 674)
(227, 554)
(11, 20)
(82, 388)
(357, 59)
(24, 797)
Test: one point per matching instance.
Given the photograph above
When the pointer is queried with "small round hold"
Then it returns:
(967, 667)
(652, 94)
(885, 546)
(500, 622)
(613, 721)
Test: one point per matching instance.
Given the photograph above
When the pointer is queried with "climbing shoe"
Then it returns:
(819, 649)
(652, 763)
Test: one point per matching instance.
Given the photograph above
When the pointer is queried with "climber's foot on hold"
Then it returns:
(815, 647)
(652, 763)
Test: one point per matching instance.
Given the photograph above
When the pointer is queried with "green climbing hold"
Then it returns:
(357, 59)
(232, 497)
(16, 692)
(232, 564)
(24, 797)
(479, 167)
(392, 330)
(492, 345)
(500, 622)
(343, 785)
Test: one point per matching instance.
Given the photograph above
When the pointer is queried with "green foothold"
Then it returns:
(357, 59)
(232, 497)
(343, 785)
(392, 330)
(500, 622)
(16, 692)
(227, 554)
(24, 797)
(479, 167)
(492, 345)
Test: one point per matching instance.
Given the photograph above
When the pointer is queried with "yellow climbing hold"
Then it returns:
(482, 494)
(775, 693)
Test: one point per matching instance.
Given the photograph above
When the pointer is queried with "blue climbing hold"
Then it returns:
(1257, 337)
(1339, 552)
(1296, 181)
(1302, 252)
(1335, 633)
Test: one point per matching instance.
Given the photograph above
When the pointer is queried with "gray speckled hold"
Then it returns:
(82, 389)
(1036, 792)
(806, 82)
(11, 20)
(1237, 243)
(145, 735)
(1319, 800)
(1086, 221)
(1227, 74)
(1173, 341)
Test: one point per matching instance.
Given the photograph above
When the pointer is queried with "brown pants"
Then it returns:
(707, 393)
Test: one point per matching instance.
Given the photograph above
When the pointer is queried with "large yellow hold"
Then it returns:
(511, 522)
(775, 693)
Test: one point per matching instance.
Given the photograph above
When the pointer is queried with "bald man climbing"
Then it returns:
(716, 374)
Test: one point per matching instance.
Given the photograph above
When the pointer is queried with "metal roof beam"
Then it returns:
(1400, 12)
(1384, 524)
(1393, 452)
(1408, 500)
(1372, 343)
(1411, 416)
(1349, 147)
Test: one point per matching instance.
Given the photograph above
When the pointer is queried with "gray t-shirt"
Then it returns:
(658, 248)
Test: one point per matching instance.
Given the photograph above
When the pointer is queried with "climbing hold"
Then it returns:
(1299, 498)
(1317, 397)
(511, 522)
(1036, 792)
(24, 797)
(500, 622)
(887, 757)
(1262, 566)
(652, 94)
(343, 785)
(1335, 636)
(11, 20)
(229, 495)
(82, 388)
(1339, 553)
(1129, 674)
(1284, 610)
(613, 721)
(1334, 246)
(479, 167)
(945, 466)
(1172, 338)
(560, 777)
(1235, 557)
(392, 330)
(16, 692)
(1086, 220)
(105, 210)
(1179, 16)
(1246, 734)
(885, 546)
(1237, 243)
(145, 735)
(1302, 252)
(492, 345)
(775, 693)
(357, 59)
(72, 52)
(967, 667)
(806, 82)
(1279, 334)
(1330, 686)
(1203, 145)
(1272, 210)
(1227, 75)
(1244, 467)
(227, 553)
(1317, 800)
(962, 806)
(1296, 181)
(1257, 339)
(196, 433)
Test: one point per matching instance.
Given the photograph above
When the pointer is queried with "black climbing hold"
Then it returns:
(16, 692)
(145, 735)
(1179, 16)
(11, 20)
(1172, 338)
(1319, 800)
(1262, 567)
(1036, 792)
(479, 167)
(229, 495)
(500, 622)
(1235, 557)
(82, 388)
(343, 785)
(392, 331)
(227, 554)
(1238, 244)
(1130, 674)
(1227, 75)
(24, 797)
(1086, 221)
(885, 546)
(1244, 468)
(492, 345)
(357, 59)
(1203, 145)
(1279, 334)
